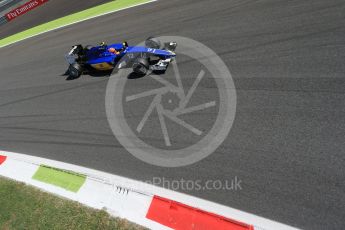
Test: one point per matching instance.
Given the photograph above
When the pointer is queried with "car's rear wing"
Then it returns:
(73, 54)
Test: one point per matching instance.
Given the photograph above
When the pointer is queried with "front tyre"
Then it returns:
(141, 66)
(153, 43)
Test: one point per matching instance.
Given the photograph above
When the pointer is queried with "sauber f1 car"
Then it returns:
(153, 56)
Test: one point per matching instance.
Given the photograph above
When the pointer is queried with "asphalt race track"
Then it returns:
(287, 59)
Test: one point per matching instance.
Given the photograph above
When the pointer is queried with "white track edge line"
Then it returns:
(75, 22)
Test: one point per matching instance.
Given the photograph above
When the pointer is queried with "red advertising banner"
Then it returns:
(24, 9)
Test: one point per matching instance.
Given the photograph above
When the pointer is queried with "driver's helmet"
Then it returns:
(102, 44)
(125, 44)
(112, 50)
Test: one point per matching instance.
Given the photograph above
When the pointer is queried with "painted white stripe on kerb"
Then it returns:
(118, 202)
(95, 192)
(75, 22)
(121, 196)
(18, 170)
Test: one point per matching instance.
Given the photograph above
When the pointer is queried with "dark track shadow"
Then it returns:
(70, 78)
(94, 73)
(66, 73)
(134, 75)
(90, 72)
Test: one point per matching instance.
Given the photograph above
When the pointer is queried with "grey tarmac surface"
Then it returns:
(287, 59)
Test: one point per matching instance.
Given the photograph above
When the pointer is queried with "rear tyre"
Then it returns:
(88, 47)
(75, 70)
(141, 66)
(153, 43)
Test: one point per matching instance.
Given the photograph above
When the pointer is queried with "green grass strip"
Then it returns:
(65, 179)
(25, 207)
(70, 19)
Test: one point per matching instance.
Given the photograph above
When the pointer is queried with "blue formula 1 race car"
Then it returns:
(104, 57)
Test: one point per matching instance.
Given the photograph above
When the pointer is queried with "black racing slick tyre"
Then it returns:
(153, 43)
(141, 66)
(75, 70)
